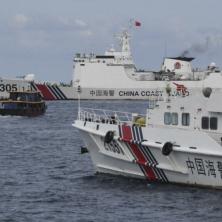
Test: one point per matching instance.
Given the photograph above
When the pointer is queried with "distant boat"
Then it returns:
(27, 103)
(49, 91)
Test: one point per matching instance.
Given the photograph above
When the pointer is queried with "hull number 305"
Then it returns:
(8, 87)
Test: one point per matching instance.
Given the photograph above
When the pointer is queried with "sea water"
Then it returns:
(43, 176)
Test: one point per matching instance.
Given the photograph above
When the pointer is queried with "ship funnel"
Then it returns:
(180, 65)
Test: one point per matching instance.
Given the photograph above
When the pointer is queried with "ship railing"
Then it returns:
(107, 116)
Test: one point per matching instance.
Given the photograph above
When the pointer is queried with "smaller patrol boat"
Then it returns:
(24, 103)
(179, 140)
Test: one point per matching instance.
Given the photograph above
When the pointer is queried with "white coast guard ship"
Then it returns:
(115, 76)
(27, 82)
(17, 84)
(179, 140)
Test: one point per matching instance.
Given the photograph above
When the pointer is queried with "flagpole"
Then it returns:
(131, 23)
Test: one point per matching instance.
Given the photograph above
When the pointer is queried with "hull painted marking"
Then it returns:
(62, 95)
(141, 160)
(55, 94)
(133, 136)
(148, 154)
(33, 87)
(50, 92)
(45, 92)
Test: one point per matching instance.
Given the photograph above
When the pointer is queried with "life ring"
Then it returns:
(109, 136)
(207, 92)
(177, 65)
(167, 148)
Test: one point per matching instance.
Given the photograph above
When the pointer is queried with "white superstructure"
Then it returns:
(179, 140)
(17, 84)
(115, 76)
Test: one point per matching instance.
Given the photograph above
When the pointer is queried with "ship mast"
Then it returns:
(124, 38)
(124, 43)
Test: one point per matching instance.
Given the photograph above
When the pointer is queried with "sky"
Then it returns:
(42, 37)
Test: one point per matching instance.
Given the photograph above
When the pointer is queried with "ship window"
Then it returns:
(174, 118)
(185, 119)
(213, 123)
(82, 64)
(205, 122)
(167, 118)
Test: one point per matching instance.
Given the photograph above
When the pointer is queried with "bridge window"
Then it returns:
(174, 118)
(213, 123)
(167, 118)
(209, 123)
(205, 122)
(185, 119)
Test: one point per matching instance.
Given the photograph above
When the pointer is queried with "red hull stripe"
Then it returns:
(47, 95)
(127, 136)
(141, 160)
(126, 133)
(137, 138)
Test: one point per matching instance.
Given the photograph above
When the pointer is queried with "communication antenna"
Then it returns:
(131, 23)
(79, 105)
(165, 49)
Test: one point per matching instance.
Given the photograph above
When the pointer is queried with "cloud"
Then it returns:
(80, 23)
(49, 23)
(20, 21)
(35, 39)
(68, 23)
(86, 33)
(34, 32)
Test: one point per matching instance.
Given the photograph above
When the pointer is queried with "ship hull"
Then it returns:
(133, 154)
(150, 90)
(120, 89)
(135, 90)
(55, 92)
(19, 112)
